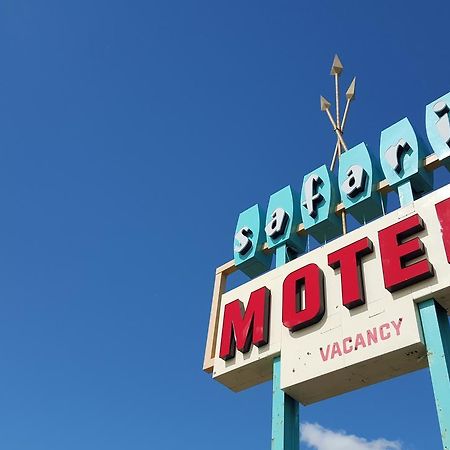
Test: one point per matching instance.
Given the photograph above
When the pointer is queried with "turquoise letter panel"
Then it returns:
(254, 261)
(359, 172)
(289, 201)
(318, 203)
(437, 121)
(401, 155)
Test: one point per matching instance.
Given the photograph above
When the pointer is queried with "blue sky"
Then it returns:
(123, 126)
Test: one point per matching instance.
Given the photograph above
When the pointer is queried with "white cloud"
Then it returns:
(320, 438)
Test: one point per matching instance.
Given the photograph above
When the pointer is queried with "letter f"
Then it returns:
(312, 197)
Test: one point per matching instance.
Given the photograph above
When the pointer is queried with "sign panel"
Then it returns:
(343, 315)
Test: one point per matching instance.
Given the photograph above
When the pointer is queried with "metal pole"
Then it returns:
(336, 85)
(285, 410)
(436, 331)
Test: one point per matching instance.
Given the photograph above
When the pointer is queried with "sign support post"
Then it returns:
(436, 332)
(285, 410)
(397, 333)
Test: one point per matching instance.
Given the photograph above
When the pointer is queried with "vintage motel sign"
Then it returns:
(345, 314)
(363, 307)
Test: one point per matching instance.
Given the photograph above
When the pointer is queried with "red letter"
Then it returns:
(349, 260)
(294, 316)
(443, 212)
(243, 327)
(395, 254)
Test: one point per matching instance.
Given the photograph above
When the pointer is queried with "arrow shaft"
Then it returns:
(331, 119)
(336, 85)
(333, 162)
(341, 141)
(344, 117)
(336, 129)
(343, 214)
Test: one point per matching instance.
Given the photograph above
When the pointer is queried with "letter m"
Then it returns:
(244, 327)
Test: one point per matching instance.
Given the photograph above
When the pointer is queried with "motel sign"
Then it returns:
(366, 305)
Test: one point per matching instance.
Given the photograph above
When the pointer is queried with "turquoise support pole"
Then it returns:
(436, 331)
(285, 415)
(285, 410)
(405, 193)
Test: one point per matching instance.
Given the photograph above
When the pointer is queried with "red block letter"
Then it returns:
(296, 317)
(242, 327)
(349, 260)
(395, 254)
(443, 212)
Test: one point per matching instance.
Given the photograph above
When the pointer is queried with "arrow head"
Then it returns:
(350, 94)
(324, 104)
(337, 66)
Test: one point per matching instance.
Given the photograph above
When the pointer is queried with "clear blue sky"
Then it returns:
(122, 128)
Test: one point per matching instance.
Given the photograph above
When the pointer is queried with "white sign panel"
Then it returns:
(344, 315)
